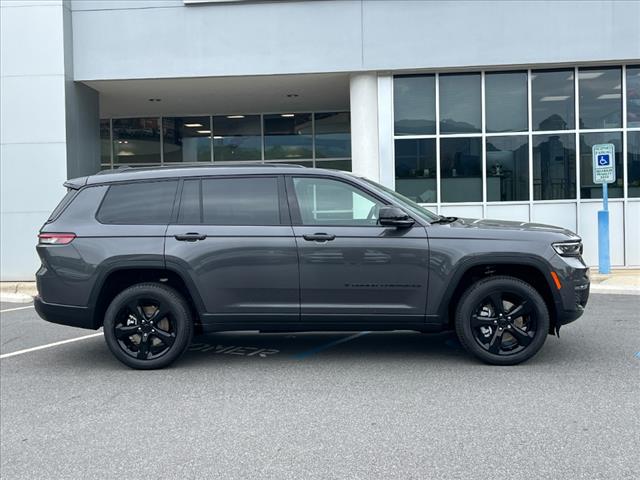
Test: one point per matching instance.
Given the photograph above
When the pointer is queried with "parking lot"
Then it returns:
(343, 405)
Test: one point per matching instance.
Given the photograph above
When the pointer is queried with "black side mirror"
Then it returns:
(394, 217)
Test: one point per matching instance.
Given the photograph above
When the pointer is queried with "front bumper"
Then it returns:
(71, 315)
(574, 293)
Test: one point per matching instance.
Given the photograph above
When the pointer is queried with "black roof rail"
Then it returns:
(210, 165)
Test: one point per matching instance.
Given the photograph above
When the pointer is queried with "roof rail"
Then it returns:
(209, 165)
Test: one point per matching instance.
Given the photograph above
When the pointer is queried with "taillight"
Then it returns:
(56, 238)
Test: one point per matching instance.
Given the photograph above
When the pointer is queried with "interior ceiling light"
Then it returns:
(217, 137)
(609, 96)
(155, 99)
(589, 75)
(192, 125)
(554, 98)
(203, 131)
(235, 116)
(287, 114)
(292, 95)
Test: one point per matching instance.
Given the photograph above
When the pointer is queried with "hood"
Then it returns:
(507, 225)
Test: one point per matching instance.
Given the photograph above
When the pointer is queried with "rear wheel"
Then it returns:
(502, 320)
(148, 326)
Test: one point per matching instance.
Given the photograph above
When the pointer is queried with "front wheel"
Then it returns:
(502, 320)
(148, 326)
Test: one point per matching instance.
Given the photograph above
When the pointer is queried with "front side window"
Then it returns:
(324, 201)
(140, 203)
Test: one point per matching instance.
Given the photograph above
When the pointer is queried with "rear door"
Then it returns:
(233, 238)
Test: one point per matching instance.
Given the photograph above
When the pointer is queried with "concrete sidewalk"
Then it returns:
(625, 281)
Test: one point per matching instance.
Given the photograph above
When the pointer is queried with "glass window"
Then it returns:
(240, 201)
(461, 169)
(416, 169)
(287, 136)
(600, 97)
(506, 101)
(414, 104)
(105, 142)
(460, 107)
(186, 139)
(344, 165)
(333, 137)
(508, 168)
(237, 138)
(554, 167)
(587, 188)
(633, 164)
(136, 140)
(552, 99)
(331, 202)
(633, 96)
(142, 203)
(190, 211)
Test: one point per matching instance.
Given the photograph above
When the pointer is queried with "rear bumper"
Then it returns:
(71, 315)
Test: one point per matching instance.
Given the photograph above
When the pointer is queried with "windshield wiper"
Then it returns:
(444, 219)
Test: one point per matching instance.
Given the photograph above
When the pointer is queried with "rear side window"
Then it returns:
(230, 201)
(66, 200)
(143, 203)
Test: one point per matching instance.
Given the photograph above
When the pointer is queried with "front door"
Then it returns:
(352, 269)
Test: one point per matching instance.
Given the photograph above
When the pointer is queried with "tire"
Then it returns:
(502, 320)
(148, 326)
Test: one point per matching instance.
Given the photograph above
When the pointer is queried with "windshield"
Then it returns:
(410, 205)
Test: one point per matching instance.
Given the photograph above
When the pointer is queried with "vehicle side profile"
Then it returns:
(154, 255)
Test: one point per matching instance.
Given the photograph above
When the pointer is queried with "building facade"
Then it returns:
(472, 108)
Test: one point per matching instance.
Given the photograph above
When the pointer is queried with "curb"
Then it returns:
(17, 292)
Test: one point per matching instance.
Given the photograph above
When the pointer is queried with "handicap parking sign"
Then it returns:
(604, 168)
(603, 160)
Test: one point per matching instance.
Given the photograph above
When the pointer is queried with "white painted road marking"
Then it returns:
(49, 345)
(14, 309)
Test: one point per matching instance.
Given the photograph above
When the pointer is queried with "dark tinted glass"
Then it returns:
(414, 104)
(288, 136)
(416, 169)
(344, 165)
(105, 142)
(240, 201)
(333, 135)
(186, 139)
(460, 107)
(142, 203)
(552, 99)
(633, 163)
(600, 97)
(633, 96)
(554, 167)
(236, 138)
(136, 140)
(506, 101)
(461, 169)
(507, 168)
(587, 188)
(190, 209)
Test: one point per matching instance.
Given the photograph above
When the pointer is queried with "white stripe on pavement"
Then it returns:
(49, 345)
(14, 309)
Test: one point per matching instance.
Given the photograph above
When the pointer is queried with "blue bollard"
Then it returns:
(603, 242)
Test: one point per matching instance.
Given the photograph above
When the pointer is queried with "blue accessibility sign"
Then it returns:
(604, 160)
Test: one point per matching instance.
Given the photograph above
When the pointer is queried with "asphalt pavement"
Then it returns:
(323, 406)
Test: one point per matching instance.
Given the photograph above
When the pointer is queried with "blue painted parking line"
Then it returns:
(303, 355)
(637, 354)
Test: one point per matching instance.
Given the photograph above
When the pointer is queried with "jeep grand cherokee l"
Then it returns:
(154, 254)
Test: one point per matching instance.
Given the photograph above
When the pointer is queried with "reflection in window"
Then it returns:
(507, 168)
(633, 96)
(236, 137)
(633, 164)
(554, 167)
(288, 136)
(587, 188)
(600, 97)
(344, 165)
(414, 104)
(186, 139)
(333, 137)
(506, 101)
(416, 169)
(240, 201)
(460, 108)
(552, 99)
(136, 140)
(105, 142)
(461, 169)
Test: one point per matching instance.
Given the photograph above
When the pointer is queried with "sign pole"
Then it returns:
(604, 260)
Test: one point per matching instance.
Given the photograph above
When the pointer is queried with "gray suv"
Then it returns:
(153, 255)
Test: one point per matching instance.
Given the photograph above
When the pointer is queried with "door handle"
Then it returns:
(319, 237)
(190, 237)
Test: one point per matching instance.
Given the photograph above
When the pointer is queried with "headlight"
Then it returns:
(568, 249)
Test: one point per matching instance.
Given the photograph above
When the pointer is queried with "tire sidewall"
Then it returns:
(181, 316)
(480, 290)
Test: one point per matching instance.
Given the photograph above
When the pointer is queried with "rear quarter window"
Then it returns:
(141, 203)
(66, 200)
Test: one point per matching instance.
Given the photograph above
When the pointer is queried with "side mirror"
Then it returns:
(394, 217)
